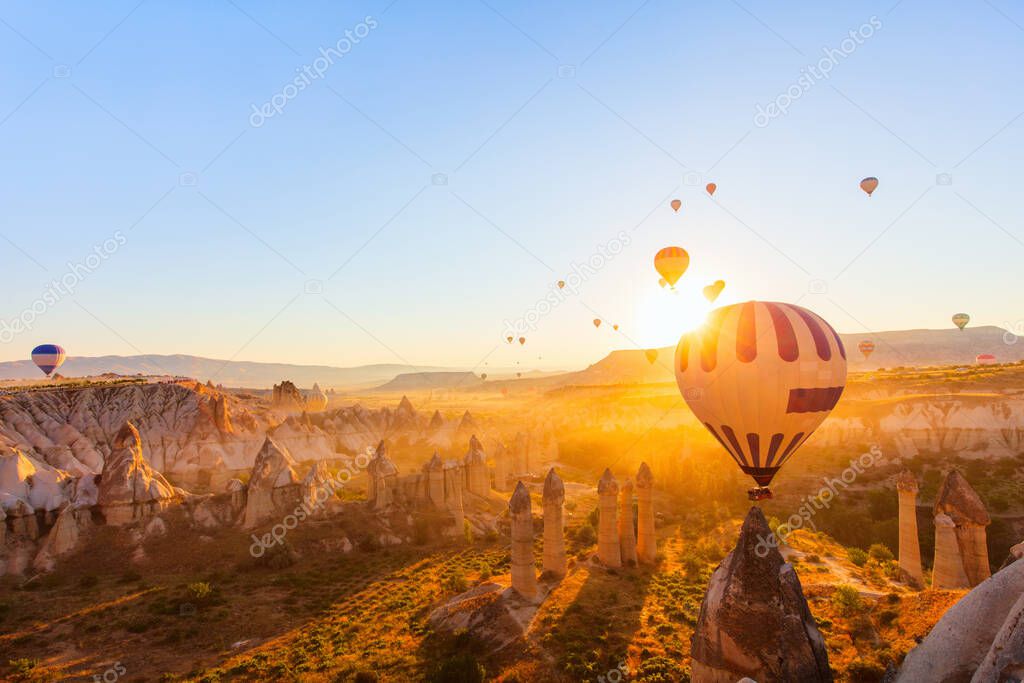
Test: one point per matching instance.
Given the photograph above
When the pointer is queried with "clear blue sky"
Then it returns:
(104, 108)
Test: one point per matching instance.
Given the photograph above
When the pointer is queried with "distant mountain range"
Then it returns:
(229, 373)
(894, 348)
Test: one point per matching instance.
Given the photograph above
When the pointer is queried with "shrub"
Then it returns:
(861, 671)
(880, 553)
(857, 556)
(586, 535)
(847, 600)
(200, 590)
(459, 668)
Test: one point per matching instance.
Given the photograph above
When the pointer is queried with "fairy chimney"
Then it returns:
(478, 481)
(948, 568)
(961, 503)
(646, 541)
(524, 577)
(383, 477)
(910, 546)
(434, 473)
(520, 454)
(501, 468)
(607, 524)
(554, 539)
(453, 502)
(627, 536)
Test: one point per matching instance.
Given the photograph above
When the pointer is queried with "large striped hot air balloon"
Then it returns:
(866, 347)
(761, 377)
(961, 320)
(671, 263)
(48, 357)
(985, 359)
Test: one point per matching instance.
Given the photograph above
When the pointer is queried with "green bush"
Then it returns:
(857, 556)
(847, 600)
(880, 553)
(459, 668)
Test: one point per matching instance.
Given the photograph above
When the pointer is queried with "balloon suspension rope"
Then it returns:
(759, 493)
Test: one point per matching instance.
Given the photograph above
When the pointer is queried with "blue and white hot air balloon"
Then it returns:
(48, 357)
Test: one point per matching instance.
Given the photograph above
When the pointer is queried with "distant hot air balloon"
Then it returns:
(652, 355)
(522, 340)
(561, 284)
(597, 322)
(504, 391)
(671, 263)
(711, 187)
(869, 184)
(961, 320)
(615, 327)
(676, 205)
(519, 374)
(712, 291)
(509, 339)
(761, 377)
(662, 282)
(985, 359)
(866, 347)
(483, 375)
(48, 357)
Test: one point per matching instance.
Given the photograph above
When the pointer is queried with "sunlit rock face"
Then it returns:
(129, 489)
(273, 488)
(754, 621)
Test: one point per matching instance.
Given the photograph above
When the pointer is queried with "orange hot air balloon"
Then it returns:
(712, 291)
(761, 377)
(869, 184)
(508, 339)
(522, 340)
(597, 322)
(662, 282)
(711, 187)
(652, 355)
(671, 263)
(676, 205)
(561, 284)
(615, 327)
(866, 347)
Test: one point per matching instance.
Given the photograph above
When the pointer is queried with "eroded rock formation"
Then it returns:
(754, 620)
(627, 536)
(273, 486)
(554, 524)
(608, 551)
(910, 546)
(524, 575)
(646, 540)
(957, 500)
(129, 489)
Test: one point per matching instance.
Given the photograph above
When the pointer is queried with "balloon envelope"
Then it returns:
(961, 320)
(662, 282)
(615, 327)
(711, 187)
(676, 205)
(869, 184)
(671, 263)
(561, 284)
(712, 291)
(761, 377)
(48, 357)
(985, 359)
(508, 339)
(597, 322)
(866, 347)
(522, 340)
(652, 355)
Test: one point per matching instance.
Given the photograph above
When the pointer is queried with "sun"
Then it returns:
(665, 315)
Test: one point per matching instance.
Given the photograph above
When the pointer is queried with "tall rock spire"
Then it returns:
(646, 540)
(627, 536)
(910, 545)
(607, 524)
(554, 525)
(524, 576)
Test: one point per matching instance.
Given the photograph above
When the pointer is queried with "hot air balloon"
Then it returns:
(519, 374)
(761, 377)
(48, 357)
(662, 282)
(711, 187)
(961, 320)
(866, 347)
(504, 391)
(483, 375)
(676, 205)
(712, 291)
(671, 263)
(597, 322)
(508, 339)
(985, 359)
(522, 340)
(615, 327)
(561, 284)
(652, 355)
(869, 184)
